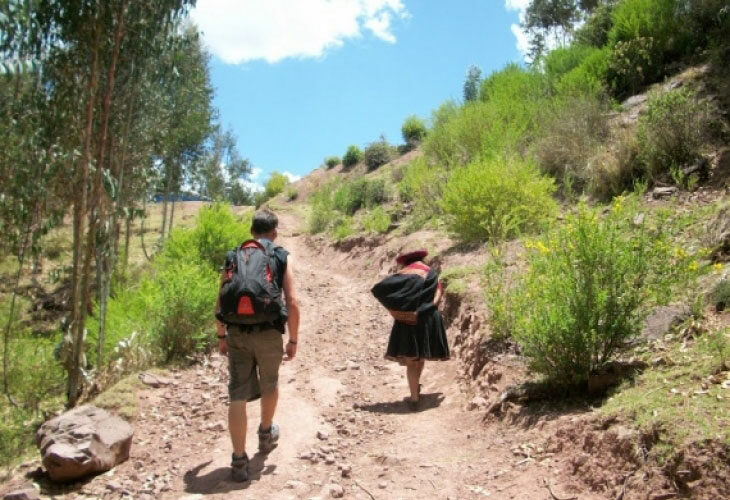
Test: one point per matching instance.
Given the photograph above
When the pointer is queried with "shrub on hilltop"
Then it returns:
(414, 131)
(352, 156)
(332, 161)
(377, 154)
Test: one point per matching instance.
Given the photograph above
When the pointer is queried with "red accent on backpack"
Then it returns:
(245, 306)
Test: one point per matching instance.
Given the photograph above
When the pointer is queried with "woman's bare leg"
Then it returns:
(414, 369)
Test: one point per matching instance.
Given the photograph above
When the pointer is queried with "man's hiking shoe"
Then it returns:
(268, 439)
(239, 468)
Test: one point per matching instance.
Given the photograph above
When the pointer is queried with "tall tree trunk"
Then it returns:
(80, 208)
(172, 215)
(100, 250)
(168, 187)
(128, 227)
(97, 211)
(141, 226)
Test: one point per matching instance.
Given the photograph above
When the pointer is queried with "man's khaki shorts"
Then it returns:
(254, 358)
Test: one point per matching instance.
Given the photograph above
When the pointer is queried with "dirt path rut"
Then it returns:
(345, 430)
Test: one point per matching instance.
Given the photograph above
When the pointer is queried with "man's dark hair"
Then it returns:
(263, 222)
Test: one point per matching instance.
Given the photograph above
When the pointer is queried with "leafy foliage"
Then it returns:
(352, 156)
(414, 131)
(422, 184)
(492, 198)
(362, 192)
(571, 134)
(275, 185)
(332, 161)
(673, 131)
(377, 154)
(167, 315)
(377, 221)
(587, 288)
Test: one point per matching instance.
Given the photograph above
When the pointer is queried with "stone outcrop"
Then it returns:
(83, 441)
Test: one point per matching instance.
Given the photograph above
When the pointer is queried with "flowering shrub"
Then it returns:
(587, 289)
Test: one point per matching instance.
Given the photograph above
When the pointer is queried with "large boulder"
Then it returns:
(83, 441)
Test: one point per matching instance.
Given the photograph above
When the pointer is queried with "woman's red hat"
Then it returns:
(406, 258)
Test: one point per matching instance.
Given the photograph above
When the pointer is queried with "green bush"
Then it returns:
(560, 61)
(362, 192)
(377, 154)
(343, 228)
(492, 198)
(672, 132)
(571, 133)
(183, 316)
(276, 184)
(34, 375)
(376, 221)
(36, 382)
(422, 185)
(504, 119)
(720, 295)
(589, 77)
(587, 288)
(352, 156)
(216, 231)
(292, 194)
(707, 22)
(413, 130)
(332, 161)
(15, 437)
(646, 35)
(594, 31)
(615, 167)
(168, 312)
(322, 213)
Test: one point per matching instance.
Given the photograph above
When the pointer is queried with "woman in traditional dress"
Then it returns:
(412, 296)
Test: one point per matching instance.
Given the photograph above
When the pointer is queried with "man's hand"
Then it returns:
(223, 347)
(291, 351)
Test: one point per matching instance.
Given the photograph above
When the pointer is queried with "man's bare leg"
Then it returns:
(237, 426)
(268, 408)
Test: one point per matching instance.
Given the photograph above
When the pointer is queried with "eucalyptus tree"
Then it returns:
(218, 174)
(187, 95)
(103, 93)
(29, 156)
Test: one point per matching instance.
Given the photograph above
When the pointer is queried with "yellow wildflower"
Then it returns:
(680, 253)
(542, 248)
(717, 267)
(693, 266)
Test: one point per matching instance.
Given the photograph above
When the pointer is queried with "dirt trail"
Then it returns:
(341, 389)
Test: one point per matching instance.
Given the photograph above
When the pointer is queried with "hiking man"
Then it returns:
(251, 318)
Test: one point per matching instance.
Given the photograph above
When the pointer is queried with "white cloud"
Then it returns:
(245, 30)
(292, 177)
(252, 186)
(520, 5)
(523, 41)
(255, 172)
(521, 35)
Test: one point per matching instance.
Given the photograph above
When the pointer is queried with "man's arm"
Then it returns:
(293, 307)
(221, 328)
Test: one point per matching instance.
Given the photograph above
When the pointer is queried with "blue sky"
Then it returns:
(298, 80)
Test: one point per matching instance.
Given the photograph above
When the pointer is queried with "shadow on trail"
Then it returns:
(219, 480)
(428, 402)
